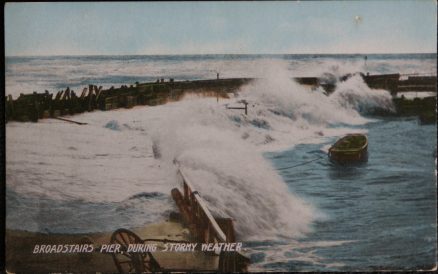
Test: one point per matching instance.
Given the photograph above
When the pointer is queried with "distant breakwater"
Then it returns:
(35, 106)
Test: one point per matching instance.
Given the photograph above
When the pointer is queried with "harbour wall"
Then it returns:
(35, 106)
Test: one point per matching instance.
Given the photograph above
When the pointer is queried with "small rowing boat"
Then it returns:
(350, 148)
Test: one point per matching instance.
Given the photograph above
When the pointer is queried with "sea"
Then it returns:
(294, 210)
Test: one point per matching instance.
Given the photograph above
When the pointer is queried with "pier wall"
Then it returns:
(35, 106)
(395, 82)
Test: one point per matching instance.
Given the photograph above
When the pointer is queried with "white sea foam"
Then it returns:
(355, 94)
(296, 251)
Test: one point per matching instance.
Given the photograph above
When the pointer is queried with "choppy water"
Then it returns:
(314, 216)
(384, 209)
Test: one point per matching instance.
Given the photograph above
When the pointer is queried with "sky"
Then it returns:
(274, 27)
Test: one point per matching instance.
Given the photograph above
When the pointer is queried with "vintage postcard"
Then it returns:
(221, 136)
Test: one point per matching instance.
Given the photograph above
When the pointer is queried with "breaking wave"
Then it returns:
(220, 148)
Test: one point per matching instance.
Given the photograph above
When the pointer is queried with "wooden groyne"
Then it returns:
(401, 82)
(392, 82)
(207, 229)
(424, 108)
(35, 106)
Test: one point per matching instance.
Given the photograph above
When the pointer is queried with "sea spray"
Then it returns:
(355, 94)
(237, 181)
(220, 148)
(286, 98)
(234, 178)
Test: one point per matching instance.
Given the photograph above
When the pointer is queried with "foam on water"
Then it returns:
(280, 256)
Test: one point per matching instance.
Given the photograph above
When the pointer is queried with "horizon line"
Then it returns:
(204, 54)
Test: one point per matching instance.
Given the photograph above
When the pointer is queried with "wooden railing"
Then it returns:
(197, 215)
(207, 229)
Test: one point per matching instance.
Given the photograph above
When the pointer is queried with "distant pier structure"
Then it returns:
(35, 106)
(395, 84)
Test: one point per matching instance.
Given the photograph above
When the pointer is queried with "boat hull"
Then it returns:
(349, 157)
(352, 148)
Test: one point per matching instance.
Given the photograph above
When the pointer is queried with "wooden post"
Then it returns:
(90, 97)
(186, 194)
